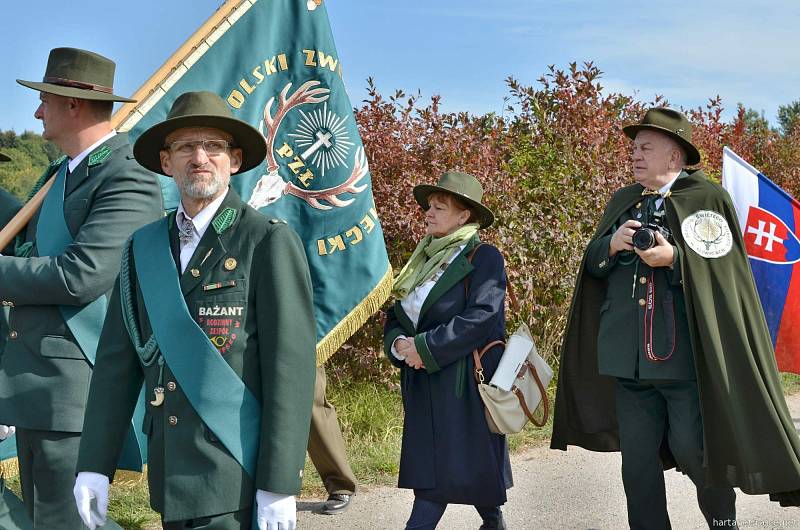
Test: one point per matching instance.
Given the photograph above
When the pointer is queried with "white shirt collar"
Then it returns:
(78, 159)
(204, 216)
(666, 187)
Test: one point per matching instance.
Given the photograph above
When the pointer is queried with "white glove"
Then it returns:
(7, 431)
(89, 486)
(275, 511)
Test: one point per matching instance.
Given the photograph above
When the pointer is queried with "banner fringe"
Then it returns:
(356, 318)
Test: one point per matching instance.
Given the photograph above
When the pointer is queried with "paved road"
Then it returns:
(556, 490)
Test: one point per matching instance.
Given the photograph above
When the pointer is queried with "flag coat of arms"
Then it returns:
(275, 63)
(770, 222)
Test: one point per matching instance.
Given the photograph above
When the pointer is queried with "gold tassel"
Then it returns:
(356, 318)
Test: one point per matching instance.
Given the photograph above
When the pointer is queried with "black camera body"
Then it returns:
(644, 238)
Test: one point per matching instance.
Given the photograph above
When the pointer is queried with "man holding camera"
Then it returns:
(666, 356)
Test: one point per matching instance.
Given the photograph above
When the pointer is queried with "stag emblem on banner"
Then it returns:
(321, 141)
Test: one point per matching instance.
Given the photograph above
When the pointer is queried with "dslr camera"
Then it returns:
(644, 238)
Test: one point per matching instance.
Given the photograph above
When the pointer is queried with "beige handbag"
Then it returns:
(507, 411)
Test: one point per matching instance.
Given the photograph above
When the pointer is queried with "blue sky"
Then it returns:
(745, 51)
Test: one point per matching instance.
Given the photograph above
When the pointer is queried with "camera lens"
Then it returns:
(644, 238)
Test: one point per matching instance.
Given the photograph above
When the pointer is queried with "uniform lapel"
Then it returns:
(174, 241)
(454, 273)
(89, 166)
(211, 248)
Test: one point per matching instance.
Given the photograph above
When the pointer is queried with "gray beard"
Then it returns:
(202, 190)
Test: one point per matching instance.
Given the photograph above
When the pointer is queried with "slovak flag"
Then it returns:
(770, 221)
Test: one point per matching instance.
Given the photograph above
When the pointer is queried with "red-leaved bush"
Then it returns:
(548, 167)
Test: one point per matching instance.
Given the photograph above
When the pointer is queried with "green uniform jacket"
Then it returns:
(628, 324)
(750, 440)
(9, 206)
(260, 316)
(44, 377)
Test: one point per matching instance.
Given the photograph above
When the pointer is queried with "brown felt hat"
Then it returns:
(462, 185)
(200, 109)
(672, 123)
(78, 73)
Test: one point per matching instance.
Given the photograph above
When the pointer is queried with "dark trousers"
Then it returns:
(646, 412)
(240, 520)
(47, 461)
(425, 514)
(326, 445)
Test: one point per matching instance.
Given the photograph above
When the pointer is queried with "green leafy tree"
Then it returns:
(30, 154)
(787, 116)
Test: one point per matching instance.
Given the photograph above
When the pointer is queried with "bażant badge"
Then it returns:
(707, 233)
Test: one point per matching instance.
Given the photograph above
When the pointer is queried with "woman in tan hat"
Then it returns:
(450, 298)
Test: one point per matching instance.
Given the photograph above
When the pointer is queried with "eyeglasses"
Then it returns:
(187, 147)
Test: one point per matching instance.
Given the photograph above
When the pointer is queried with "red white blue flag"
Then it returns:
(770, 221)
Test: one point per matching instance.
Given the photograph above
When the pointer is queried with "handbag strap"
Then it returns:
(477, 355)
(543, 392)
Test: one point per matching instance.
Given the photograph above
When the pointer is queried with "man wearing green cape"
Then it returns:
(667, 356)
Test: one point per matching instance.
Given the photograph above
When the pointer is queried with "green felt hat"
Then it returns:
(672, 123)
(462, 185)
(200, 109)
(4, 158)
(78, 73)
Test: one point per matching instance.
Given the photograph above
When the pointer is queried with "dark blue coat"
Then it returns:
(448, 453)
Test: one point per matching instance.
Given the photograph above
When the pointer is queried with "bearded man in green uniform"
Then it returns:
(213, 311)
(667, 356)
(63, 267)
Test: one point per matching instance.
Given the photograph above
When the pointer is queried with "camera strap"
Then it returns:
(649, 313)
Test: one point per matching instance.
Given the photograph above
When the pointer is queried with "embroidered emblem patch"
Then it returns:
(100, 156)
(707, 233)
(224, 220)
(222, 324)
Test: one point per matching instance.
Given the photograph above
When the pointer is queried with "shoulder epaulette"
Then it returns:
(99, 156)
(224, 220)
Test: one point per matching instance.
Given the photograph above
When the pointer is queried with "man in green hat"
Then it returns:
(667, 356)
(65, 263)
(213, 311)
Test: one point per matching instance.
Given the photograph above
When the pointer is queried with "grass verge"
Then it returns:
(371, 417)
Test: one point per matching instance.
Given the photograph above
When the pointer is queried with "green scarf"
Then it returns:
(426, 259)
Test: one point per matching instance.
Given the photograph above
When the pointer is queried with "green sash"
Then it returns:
(52, 239)
(215, 391)
(85, 322)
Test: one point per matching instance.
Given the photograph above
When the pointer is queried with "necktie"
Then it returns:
(185, 228)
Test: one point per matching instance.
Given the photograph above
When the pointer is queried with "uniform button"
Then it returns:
(13, 334)
(195, 273)
(642, 302)
(642, 280)
(171, 386)
(173, 420)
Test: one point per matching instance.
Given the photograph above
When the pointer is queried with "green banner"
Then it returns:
(276, 64)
